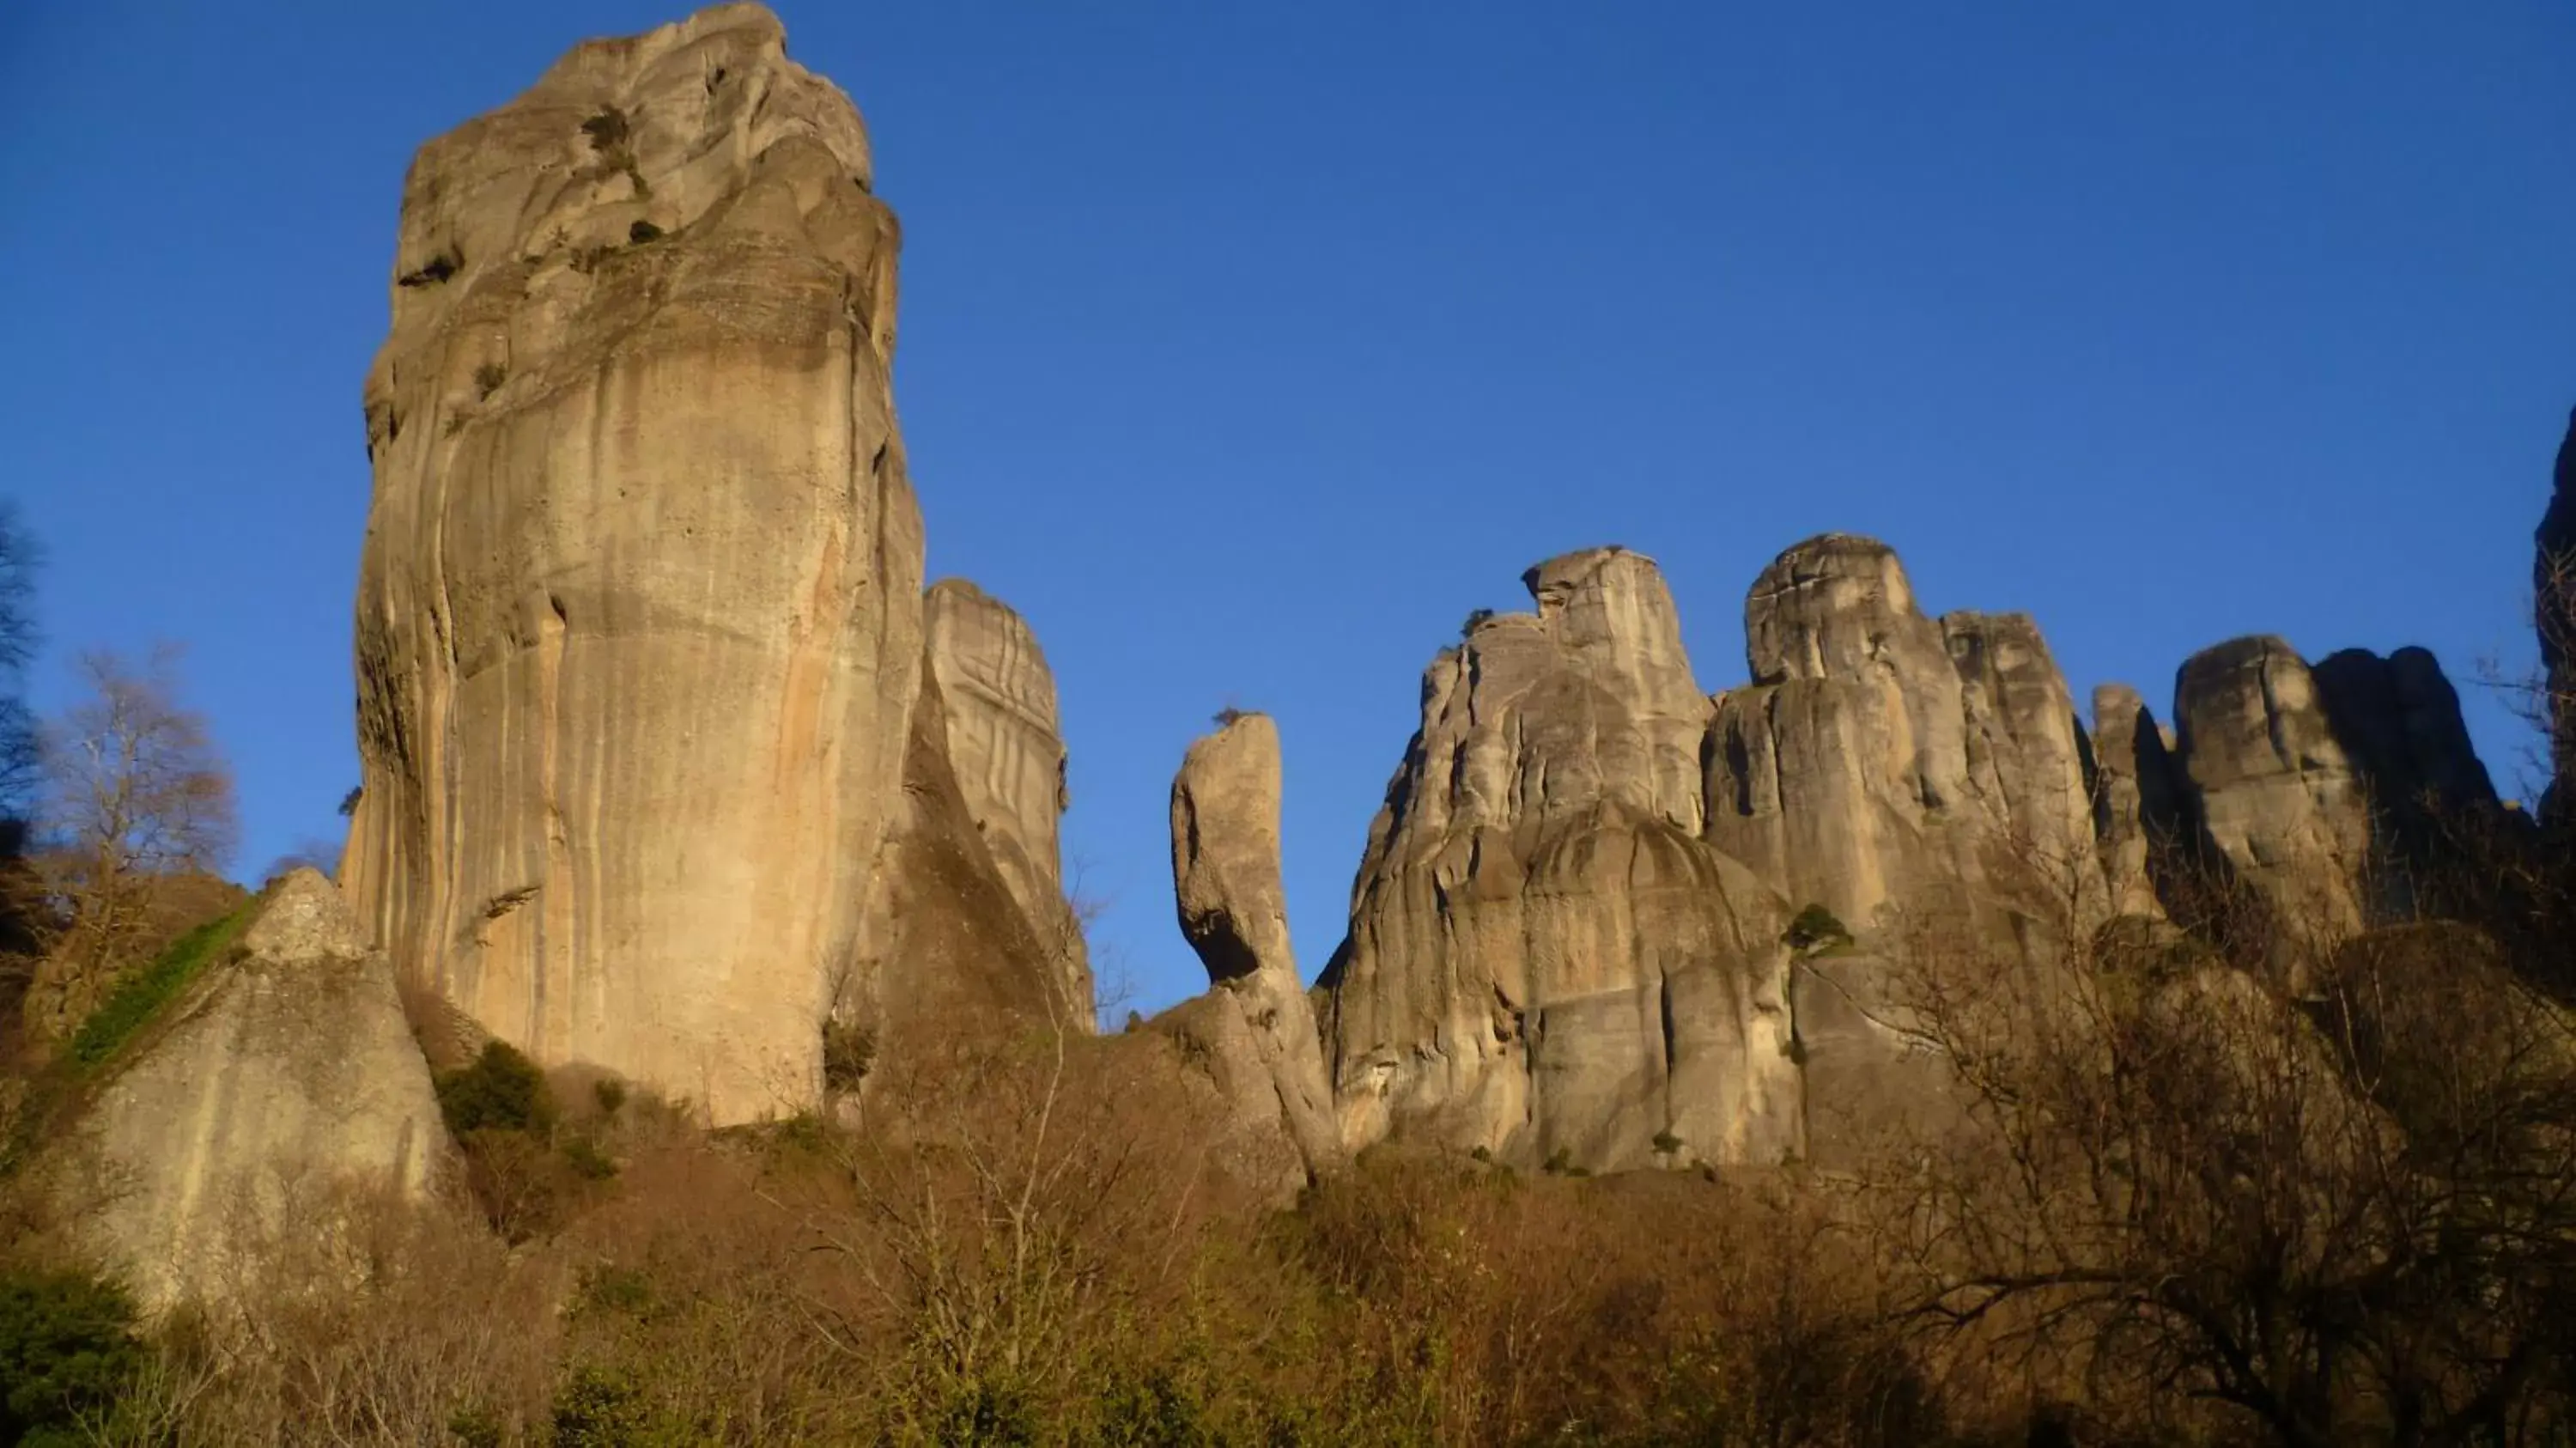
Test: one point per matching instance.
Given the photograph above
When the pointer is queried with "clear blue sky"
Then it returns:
(1246, 347)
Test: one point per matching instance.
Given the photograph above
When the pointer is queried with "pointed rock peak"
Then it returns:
(304, 919)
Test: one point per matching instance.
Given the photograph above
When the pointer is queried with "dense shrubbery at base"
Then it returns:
(1036, 1255)
(68, 1353)
(2187, 1208)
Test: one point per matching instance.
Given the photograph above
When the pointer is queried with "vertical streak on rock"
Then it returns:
(639, 619)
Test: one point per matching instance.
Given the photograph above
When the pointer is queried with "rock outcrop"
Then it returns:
(1009, 757)
(2400, 724)
(1225, 877)
(640, 636)
(2274, 795)
(2553, 591)
(281, 1086)
(1556, 947)
(1881, 757)
(2137, 805)
(1544, 957)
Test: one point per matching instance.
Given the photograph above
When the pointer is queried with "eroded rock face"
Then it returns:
(1881, 756)
(1544, 956)
(283, 1085)
(1552, 949)
(1225, 876)
(640, 623)
(2274, 794)
(1009, 757)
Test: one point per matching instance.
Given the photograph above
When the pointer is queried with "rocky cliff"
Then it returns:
(1562, 949)
(1009, 756)
(1545, 956)
(641, 645)
(279, 1089)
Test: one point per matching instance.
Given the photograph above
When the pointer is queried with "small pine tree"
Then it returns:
(502, 1091)
(1815, 928)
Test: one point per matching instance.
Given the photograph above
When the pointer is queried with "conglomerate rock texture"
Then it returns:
(640, 636)
(1559, 946)
(283, 1087)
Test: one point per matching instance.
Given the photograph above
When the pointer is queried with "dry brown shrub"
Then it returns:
(411, 1322)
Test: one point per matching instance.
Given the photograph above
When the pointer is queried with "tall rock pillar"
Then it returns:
(639, 617)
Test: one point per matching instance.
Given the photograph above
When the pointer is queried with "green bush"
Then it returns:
(610, 1093)
(606, 129)
(1559, 1162)
(1815, 928)
(598, 1408)
(1666, 1143)
(478, 1428)
(502, 1091)
(67, 1351)
(587, 1161)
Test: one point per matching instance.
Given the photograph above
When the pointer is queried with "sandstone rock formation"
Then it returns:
(1225, 877)
(1556, 947)
(2275, 795)
(2400, 723)
(1881, 757)
(640, 636)
(282, 1083)
(1004, 744)
(2137, 808)
(1544, 956)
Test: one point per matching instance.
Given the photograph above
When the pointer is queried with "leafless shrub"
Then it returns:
(391, 1330)
(2190, 1198)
